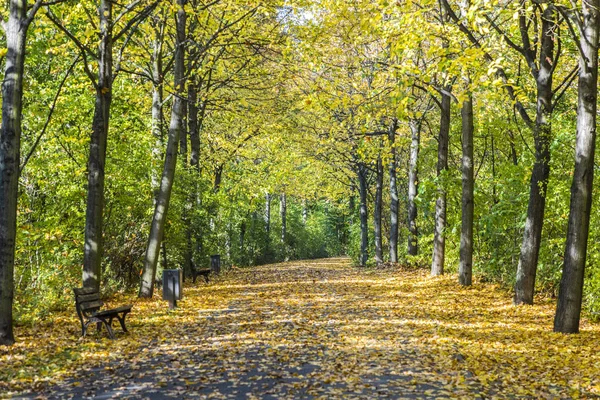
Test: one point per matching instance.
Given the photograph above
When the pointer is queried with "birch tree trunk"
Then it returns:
(439, 240)
(465, 269)
(283, 216)
(267, 221)
(168, 175)
(92, 254)
(378, 209)
(267, 215)
(394, 201)
(364, 215)
(571, 285)
(413, 187)
(304, 211)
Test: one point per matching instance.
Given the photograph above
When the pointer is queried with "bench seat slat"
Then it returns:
(114, 311)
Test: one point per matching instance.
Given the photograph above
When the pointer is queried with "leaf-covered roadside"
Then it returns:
(317, 328)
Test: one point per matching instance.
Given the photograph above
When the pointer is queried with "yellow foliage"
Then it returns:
(428, 336)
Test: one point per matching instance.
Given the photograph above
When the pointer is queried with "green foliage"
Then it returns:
(293, 98)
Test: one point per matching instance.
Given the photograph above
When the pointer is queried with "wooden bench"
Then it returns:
(88, 305)
(200, 272)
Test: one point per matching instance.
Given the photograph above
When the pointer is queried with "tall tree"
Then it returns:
(394, 200)
(283, 216)
(378, 210)
(439, 240)
(176, 125)
(465, 269)
(571, 285)
(413, 186)
(362, 172)
(102, 82)
(16, 28)
(543, 73)
(542, 61)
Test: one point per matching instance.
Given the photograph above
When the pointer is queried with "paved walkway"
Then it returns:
(316, 329)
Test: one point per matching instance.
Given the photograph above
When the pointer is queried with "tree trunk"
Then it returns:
(465, 269)
(267, 225)
(10, 142)
(218, 177)
(493, 157)
(228, 242)
(439, 240)
(378, 207)
(394, 201)
(92, 255)
(189, 204)
(413, 187)
(571, 285)
(157, 105)
(283, 215)
(304, 211)
(267, 216)
(168, 175)
(193, 127)
(530, 248)
(364, 215)
(242, 236)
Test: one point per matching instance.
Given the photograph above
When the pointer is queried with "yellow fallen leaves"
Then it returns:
(323, 329)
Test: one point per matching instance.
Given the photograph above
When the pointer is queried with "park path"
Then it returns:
(320, 329)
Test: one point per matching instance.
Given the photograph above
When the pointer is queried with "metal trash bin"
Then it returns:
(215, 263)
(172, 289)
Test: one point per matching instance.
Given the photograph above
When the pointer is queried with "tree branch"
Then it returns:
(49, 117)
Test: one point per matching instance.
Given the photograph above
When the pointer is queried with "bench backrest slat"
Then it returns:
(91, 305)
(84, 290)
(87, 300)
(87, 297)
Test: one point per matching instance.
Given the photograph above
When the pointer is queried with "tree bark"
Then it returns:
(394, 201)
(267, 225)
(92, 255)
(283, 216)
(530, 248)
(195, 119)
(157, 103)
(218, 177)
(439, 240)
(465, 269)
(571, 285)
(168, 175)
(193, 127)
(267, 216)
(364, 215)
(378, 207)
(413, 187)
(304, 211)
(10, 142)
(189, 204)
(242, 237)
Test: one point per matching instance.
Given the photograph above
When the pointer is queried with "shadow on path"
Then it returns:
(309, 329)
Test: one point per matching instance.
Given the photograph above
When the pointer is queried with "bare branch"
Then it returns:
(133, 22)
